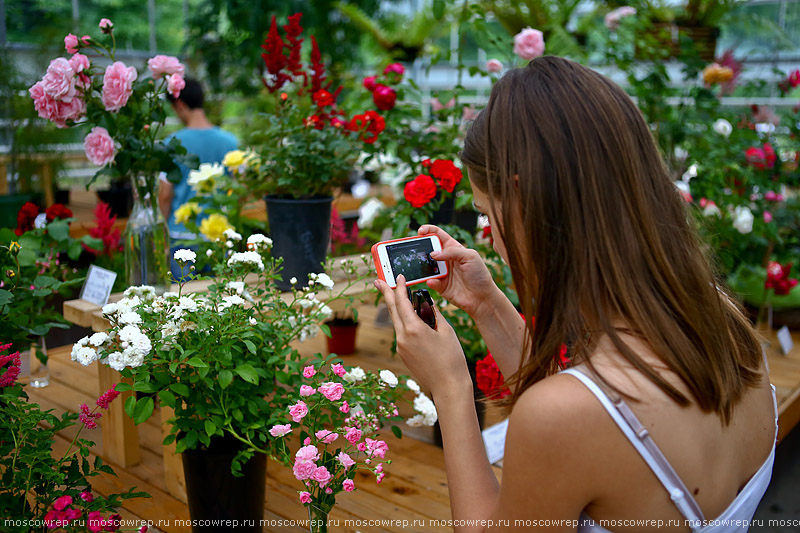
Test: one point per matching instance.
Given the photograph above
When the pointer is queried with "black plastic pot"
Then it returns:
(119, 198)
(301, 234)
(216, 496)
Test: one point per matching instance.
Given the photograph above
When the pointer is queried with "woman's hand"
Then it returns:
(434, 356)
(468, 284)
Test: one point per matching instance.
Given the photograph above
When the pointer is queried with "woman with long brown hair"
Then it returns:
(666, 420)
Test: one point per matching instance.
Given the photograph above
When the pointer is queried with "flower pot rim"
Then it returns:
(282, 199)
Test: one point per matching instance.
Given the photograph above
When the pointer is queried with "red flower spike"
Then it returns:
(105, 231)
(317, 68)
(107, 397)
(9, 373)
(274, 59)
(420, 190)
(293, 31)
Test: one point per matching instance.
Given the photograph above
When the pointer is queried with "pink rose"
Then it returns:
(304, 470)
(348, 485)
(767, 217)
(95, 521)
(72, 514)
(106, 25)
(279, 430)
(346, 460)
(175, 85)
(322, 476)
(54, 519)
(370, 82)
(384, 97)
(361, 447)
(332, 391)
(79, 63)
(345, 408)
(307, 454)
(326, 436)
(118, 85)
(380, 478)
(378, 448)
(51, 109)
(307, 441)
(298, 411)
(529, 44)
(494, 65)
(339, 370)
(71, 43)
(306, 390)
(87, 497)
(99, 146)
(161, 65)
(305, 497)
(394, 68)
(63, 502)
(353, 435)
(59, 82)
(309, 371)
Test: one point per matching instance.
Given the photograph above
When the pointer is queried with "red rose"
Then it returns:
(778, 278)
(489, 378)
(384, 97)
(370, 82)
(420, 190)
(426, 163)
(26, 217)
(446, 173)
(337, 122)
(323, 98)
(794, 78)
(759, 158)
(395, 68)
(58, 211)
(370, 124)
(315, 121)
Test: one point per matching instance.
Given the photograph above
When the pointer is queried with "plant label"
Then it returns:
(494, 440)
(97, 287)
(785, 340)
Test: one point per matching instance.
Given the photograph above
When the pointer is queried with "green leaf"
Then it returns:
(169, 439)
(130, 403)
(143, 410)
(397, 432)
(197, 363)
(74, 250)
(250, 347)
(210, 428)
(6, 297)
(224, 378)
(123, 387)
(58, 230)
(247, 373)
(144, 386)
(167, 398)
(180, 388)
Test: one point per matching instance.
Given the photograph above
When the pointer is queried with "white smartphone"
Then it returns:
(410, 257)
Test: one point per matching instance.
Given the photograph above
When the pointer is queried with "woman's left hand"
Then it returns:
(434, 356)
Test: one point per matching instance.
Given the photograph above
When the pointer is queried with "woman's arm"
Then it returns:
(503, 330)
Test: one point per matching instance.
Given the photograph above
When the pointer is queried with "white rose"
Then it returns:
(116, 361)
(232, 235)
(130, 317)
(325, 280)
(98, 339)
(236, 286)
(368, 212)
(411, 384)
(257, 241)
(40, 221)
(743, 220)
(354, 375)
(388, 377)
(711, 210)
(690, 173)
(293, 281)
(229, 301)
(110, 309)
(185, 256)
(723, 127)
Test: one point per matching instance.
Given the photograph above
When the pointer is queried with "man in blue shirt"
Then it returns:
(200, 137)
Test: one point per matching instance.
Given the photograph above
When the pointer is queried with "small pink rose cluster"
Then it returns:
(383, 95)
(58, 96)
(63, 513)
(529, 44)
(170, 67)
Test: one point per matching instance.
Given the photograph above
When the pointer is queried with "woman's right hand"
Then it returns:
(468, 283)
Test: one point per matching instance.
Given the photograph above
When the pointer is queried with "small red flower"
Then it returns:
(395, 69)
(778, 278)
(9, 373)
(446, 173)
(315, 121)
(58, 211)
(384, 97)
(761, 158)
(489, 378)
(323, 98)
(420, 190)
(26, 217)
(370, 83)
(794, 79)
(426, 163)
(107, 397)
(370, 124)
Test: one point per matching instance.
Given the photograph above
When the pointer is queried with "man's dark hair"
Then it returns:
(191, 95)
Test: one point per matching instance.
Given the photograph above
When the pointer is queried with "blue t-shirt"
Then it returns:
(210, 145)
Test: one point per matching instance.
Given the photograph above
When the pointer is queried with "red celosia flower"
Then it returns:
(274, 59)
(446, 173)
(370, 124)
(293, 31)
(489, 378)
(420, 190)
(759, 158)
(88, 418)
(340, 234)
(107, 397)
(384, 97)
(58, 211)
(370, 82)
(323, 98)
(26, 217)
(778, 278)
(11, 372)
(105, 231)
(317, 69)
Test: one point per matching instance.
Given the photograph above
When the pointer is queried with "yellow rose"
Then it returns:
(187, 212)
(234, 159)
(214, 226)
(252, 160)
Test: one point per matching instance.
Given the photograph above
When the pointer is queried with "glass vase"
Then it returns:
(147, 239)
(34, 364)
(317, 519)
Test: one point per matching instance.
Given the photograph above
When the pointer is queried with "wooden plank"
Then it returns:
(120, 435)
(173, 462)
(47, 183)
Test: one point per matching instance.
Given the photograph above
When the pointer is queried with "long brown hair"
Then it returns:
(605, 235)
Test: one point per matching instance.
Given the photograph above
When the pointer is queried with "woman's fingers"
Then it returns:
(428, 229)
(403, 305)
(454, 253)
(391, 304)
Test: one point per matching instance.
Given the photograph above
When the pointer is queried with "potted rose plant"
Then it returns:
(125, 113)
(221, 360)
(308, 147)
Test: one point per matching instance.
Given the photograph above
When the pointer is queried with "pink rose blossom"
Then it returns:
(772, 196)
(304, 470)
(378, 448)
(63, 502)
(175, 85)
(529, 44)
(395, 68)
(348, 485)
(379, 468)
(339, 370)
(309, 371)
(767, 217)
(494, 65)
(328, 490)
(326, 436)
(53, 519)
(51, 109)
(298, 411)
(613, 18)
(99, 146)
(362, 447)
(71, 43)
(161, 65)
(79, 64)
(353, 435)
(332, 391)
(308, 454)
(305, 497)
(106, 25)
(380, 478)
(306, 390)
(370, 82)
(322, 476)
(118, 85)
(87, 497)
(279, 430)
(345, 408)
(346, 460)
(72, 514)
(307, 441)
(59, 81)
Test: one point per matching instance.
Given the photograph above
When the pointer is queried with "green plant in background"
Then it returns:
(37, 487)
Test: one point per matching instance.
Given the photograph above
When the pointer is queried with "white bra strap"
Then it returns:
(638, 435)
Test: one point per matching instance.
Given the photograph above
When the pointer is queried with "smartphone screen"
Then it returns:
(412, 259)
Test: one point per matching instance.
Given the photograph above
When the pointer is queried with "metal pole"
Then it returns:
(151, 15)
(185, 21)
(2, 22)
(76, 15)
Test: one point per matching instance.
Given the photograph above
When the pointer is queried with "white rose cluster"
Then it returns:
(427, 415)
(185, 256)
(257, 241)
(388, 377)
(247, 258)
(354, 375)
(322, 279)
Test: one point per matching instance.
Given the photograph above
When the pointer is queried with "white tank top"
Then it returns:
(734, 519)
